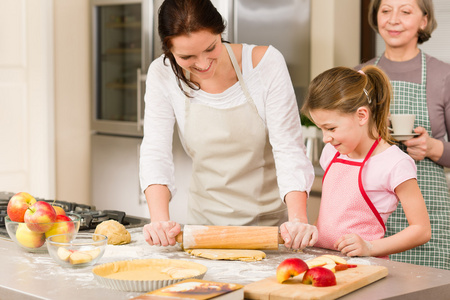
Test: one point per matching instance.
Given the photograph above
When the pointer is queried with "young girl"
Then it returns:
(365, 175)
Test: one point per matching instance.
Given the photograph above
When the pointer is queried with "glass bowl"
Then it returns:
(77, 250)
(32, 241)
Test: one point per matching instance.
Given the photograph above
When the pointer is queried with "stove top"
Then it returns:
(90, 216)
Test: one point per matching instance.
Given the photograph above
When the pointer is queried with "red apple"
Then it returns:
(59, 210)
(320, 277)
(28, 238)
(63, 224)
(17, 206)
(290, 267)
(40, 216)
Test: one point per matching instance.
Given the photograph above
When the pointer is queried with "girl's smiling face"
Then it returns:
(343, 131)
(198, 53)
(399, 22)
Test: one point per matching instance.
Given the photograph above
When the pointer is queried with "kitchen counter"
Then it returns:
(36, 276)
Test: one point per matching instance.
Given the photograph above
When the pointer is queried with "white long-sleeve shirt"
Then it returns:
(271, 89)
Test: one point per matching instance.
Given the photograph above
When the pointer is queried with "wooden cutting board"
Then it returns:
(347, 281)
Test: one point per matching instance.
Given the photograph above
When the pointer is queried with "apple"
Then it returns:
(17, 206)
(59, 210)
(63, 224)
(79, 257)
(320, 277)
(337, 259)
(40, 216)
(63, 253)
(290, 267)
(28, 238)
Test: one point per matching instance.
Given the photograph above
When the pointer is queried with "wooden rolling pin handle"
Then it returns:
(179, 237)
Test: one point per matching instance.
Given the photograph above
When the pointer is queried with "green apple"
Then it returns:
(28, 238)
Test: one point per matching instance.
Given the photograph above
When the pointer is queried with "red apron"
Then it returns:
(345, 207)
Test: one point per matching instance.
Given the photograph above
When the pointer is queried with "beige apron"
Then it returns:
(233, 171)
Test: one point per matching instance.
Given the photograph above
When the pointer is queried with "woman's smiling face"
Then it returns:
(399, 22)
(198, 53)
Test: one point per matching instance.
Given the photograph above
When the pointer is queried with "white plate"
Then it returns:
(404, 137)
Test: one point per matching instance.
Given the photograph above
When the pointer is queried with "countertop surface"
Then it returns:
(36, 276)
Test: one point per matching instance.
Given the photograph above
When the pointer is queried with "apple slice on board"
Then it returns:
(290, 267)
(320, 277)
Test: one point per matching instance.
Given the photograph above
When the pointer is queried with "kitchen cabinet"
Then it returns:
(115, 175)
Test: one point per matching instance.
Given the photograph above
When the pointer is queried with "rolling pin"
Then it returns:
(229, 237)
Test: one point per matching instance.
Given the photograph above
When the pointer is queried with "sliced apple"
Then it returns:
(290, 267)
(63, 254)
(78, 257)
(320, 277)
(93, 253)
(337, 259)
(315, 262)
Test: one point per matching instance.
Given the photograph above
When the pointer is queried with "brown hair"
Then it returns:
(183, 17)
(344, 90)
(427, 9)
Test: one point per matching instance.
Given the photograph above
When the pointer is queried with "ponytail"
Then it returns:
(345, 90)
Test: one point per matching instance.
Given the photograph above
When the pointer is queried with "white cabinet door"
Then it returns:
(27, 157)
(115, 175)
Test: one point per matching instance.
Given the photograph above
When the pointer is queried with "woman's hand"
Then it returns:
(161, 233)
(417, 147)
(298, 235)
(424, 146)
(353, 245)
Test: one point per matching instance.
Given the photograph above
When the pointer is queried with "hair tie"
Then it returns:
(367, 95)
(364, 90)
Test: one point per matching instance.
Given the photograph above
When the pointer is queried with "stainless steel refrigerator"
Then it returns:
(124, 42)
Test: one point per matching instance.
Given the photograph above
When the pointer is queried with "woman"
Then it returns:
(421, 86)
(238, 120)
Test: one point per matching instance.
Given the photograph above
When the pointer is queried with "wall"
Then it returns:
(335, 34)
(72, 95)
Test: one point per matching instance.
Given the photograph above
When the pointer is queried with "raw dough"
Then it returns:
(117, 233)
(228, 254)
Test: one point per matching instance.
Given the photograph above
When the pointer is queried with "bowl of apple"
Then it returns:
(77, 250)
(30, 222)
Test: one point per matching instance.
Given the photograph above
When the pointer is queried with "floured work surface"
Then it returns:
(347, 281)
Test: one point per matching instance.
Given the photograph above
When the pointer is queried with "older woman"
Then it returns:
(421, 86)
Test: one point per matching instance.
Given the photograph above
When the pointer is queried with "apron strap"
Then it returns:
(239, 75)
(361, 187)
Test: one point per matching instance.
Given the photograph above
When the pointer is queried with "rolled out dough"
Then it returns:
(228, 254)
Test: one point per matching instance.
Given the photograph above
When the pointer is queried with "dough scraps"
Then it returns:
(228, 254)
(117, 233)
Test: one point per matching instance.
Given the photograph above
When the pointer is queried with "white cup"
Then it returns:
(402, 124)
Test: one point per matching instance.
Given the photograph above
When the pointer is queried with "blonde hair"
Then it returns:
(344, 90)
(426, 6)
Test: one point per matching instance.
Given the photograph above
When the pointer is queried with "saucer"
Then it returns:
(404, 137)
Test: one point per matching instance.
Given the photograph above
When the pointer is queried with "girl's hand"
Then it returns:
(161, 233)
(418, 147)
(353, 245)
(298, 235)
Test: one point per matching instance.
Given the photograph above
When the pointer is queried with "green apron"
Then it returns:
(411, 98)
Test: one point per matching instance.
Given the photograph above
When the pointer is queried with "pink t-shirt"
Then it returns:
(381, 174)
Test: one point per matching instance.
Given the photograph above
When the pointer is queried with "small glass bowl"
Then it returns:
(77, 250)
(31, 241)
